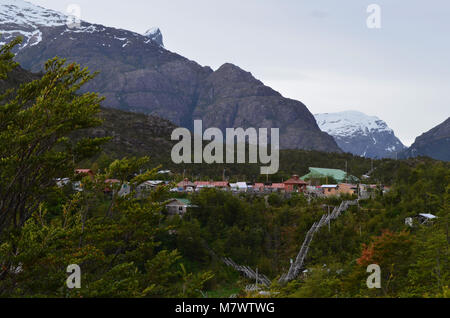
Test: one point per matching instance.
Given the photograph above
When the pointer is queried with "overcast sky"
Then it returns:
(319, 52)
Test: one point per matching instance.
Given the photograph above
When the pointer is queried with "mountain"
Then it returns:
(135, 134)
(155, 35)
(360, 134)
(435, 143)
(138, 74)
(132, 134)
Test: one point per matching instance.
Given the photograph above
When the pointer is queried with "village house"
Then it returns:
(149, 185)
(110, 184)
(425, 218)
(277, 187)
(85, 172)
(221, 185)
(239, 187)
(295, 184)
(202, 184)
(316, 174)
(77, 185)
(125, 189)
(186, 185)
(61, 182)
(178, 206)
(330, 190)
(421, 218)
(347, 188)
(260, 187)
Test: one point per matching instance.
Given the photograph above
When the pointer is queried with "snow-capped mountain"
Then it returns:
(32, 22)
(136, 73)
(18, 17)
(360, 134)
(155, 35)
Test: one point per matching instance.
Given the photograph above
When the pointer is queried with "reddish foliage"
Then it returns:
(385, 247)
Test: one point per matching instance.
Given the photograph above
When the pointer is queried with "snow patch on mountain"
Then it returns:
(27, 14)
(21, 18)
(360, 134)
(348, 123)
(155, 35)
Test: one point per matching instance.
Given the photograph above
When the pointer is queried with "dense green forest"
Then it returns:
(127, 246)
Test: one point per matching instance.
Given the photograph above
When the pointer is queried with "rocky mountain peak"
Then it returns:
(155, 35)
(360, 134)
(434, 143)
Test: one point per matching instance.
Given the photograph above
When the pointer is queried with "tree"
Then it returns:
(120, 254)
(36, 121)
(392, 252)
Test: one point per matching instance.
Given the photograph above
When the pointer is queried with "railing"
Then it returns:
(248, 272)
(299, 261)
(301, 256)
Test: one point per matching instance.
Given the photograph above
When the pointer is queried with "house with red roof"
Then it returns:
(295, 184)
(186, 185)
(277, 187)
(222, 185)
(85, 172)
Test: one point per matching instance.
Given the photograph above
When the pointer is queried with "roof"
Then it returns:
(295, 180)
(329, 186)
(428, 216)
(182, 201)
(349, 185)
(338, 174)
(152, 182)
(220, 184)
(112, 181)
(202, 183)
(241, 184)
(277, 186)
(83, 171)
(186, 183)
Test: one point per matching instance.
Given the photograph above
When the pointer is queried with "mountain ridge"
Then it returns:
(360, 134)
(138, 74)
(434, 143)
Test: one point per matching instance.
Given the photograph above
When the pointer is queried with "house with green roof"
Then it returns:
(178, 206)
(337, 174)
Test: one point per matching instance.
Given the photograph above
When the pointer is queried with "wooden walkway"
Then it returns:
(299, 261)
(296, 266)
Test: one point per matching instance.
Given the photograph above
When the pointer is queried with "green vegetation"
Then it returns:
(126, 245)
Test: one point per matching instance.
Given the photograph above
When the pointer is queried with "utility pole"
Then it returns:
(329, 226)
(346, 172)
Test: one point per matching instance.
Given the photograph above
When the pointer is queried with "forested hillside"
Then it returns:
(128, 246)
